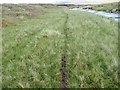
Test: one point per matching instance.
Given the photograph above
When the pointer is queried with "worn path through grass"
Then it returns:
(33, 51)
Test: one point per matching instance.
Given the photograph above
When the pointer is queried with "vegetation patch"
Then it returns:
(50, 33)
(7, 23)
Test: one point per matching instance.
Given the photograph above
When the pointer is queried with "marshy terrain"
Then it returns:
(46, 46)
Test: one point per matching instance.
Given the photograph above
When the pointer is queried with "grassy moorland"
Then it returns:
(33, 49)
(13, 14)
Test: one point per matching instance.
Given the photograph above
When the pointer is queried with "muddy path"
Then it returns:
(63, 79)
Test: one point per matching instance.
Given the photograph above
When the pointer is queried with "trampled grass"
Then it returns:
(31, 59)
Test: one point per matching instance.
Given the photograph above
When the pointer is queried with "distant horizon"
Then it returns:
(59, 1)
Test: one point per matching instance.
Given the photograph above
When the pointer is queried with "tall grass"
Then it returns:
(92, 54)
(32, 60)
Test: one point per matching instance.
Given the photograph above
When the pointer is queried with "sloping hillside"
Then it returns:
(13, 13)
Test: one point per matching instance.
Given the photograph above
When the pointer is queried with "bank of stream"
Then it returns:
(114, 16)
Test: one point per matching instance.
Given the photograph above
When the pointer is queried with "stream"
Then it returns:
(115, 16)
